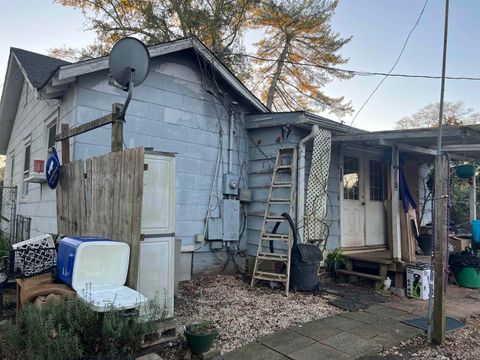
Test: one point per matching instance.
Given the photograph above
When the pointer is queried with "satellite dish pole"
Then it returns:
(129, 63)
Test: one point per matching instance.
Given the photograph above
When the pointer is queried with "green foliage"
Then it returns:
(71, 330)
(4, 252)
(203, 327)
(335, 260)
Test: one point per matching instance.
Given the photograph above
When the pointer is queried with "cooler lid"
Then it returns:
(99, 265)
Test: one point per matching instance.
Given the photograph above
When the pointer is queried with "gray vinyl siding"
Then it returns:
(171, 112)
(30, 123)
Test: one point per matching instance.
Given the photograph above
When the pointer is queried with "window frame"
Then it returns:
(26, 167)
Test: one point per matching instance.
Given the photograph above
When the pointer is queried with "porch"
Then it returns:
(388, 244)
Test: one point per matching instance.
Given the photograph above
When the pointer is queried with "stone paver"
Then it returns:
(286, 341)
(340, 322)
(352, 344)
(317, 330)
(253, 350)
(385, 312)
(362, 316)
(318, 351)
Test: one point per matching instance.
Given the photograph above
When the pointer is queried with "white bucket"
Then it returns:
(387, 283)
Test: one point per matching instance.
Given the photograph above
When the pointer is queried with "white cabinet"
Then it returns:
(157, 248)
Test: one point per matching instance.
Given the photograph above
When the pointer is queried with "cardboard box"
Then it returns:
(418, 279)
(459, 243)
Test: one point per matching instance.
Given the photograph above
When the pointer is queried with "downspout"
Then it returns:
(301, 182)
(230, 140)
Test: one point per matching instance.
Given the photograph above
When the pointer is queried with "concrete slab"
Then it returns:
(352, 344)
(340, 322)
(385, 312)
(362, 316)
(387, 333)
(409, 306)
(316, 330)
(285, 341)
(253, 350)
(318, 351)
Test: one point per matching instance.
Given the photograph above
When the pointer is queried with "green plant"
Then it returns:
(203, 327)
(335, 260)
(4, 252)
(71, 330)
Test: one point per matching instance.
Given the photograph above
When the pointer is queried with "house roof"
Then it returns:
(52, 77)
(460, 141)
(36, 68)
(302, 119)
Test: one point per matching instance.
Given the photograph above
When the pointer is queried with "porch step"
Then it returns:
(360, 274)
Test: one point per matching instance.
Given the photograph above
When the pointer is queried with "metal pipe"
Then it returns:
(230, 143)
(301, 181)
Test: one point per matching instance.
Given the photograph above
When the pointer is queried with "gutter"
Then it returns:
(301, 182)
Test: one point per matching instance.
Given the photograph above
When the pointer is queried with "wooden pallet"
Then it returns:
(166, 331)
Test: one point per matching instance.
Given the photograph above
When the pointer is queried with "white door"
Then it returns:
(158, 207)
(362, 209)
(155, 275)
(353, 210)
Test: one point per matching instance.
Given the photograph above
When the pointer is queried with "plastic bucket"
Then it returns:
(476, 231)
(469, 277)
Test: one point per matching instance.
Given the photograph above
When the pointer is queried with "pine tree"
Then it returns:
(298, 44)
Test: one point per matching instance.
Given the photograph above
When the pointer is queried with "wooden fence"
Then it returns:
(102, 197)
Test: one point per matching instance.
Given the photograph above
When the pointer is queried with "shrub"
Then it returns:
(71, 330)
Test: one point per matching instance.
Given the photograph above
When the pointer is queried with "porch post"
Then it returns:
(473, 197)
(394, 179)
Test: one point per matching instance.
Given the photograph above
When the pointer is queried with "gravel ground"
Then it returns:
(463, 344)
(242, 313)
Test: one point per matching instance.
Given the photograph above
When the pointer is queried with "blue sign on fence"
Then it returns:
(52, 169)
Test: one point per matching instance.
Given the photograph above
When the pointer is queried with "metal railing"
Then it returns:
(8, 213)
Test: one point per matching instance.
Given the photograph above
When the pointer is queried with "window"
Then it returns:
(351, 178)
(376, 180)
(51, 132)
(26, 170)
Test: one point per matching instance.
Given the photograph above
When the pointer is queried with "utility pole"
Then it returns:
(439, 259)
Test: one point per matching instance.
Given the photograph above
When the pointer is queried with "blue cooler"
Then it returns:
(96, 268)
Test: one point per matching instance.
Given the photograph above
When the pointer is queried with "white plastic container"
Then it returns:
(98, 271)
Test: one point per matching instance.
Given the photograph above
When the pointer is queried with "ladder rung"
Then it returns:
(264, 275)
(282, 185)
(271, 236)
(273, 255)
(284, 167)
(280, 201)
(275, 218)
(271, 258)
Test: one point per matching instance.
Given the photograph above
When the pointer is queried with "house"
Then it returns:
(192, 105)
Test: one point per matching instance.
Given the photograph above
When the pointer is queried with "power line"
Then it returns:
(364, 73)
(394, 64)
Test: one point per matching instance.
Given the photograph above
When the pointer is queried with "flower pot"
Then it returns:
(199, 343)
(465, 171)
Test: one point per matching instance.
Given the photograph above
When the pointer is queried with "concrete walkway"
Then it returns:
(356, 334)
(345, 336)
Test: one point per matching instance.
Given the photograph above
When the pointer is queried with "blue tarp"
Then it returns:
(405, 195)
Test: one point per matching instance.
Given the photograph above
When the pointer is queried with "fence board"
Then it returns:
(105, 200)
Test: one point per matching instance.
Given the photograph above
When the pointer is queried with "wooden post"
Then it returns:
(394, 178)
(65, 145)
(473, 197)
(441, 201)
(117, 128)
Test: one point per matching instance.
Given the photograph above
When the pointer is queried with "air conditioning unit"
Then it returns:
(38, 173)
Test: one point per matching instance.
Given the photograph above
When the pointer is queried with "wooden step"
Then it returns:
(273, 257)
(360, 274)
(269, 276)
(282, 185)
(275, 218)
(280, 201)
(272, 236)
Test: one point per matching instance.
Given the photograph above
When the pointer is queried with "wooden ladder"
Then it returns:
(285, 168)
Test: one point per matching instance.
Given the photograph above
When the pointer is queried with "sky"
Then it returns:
(378, 29)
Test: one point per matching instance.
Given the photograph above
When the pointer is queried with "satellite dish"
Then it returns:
(129, 61)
